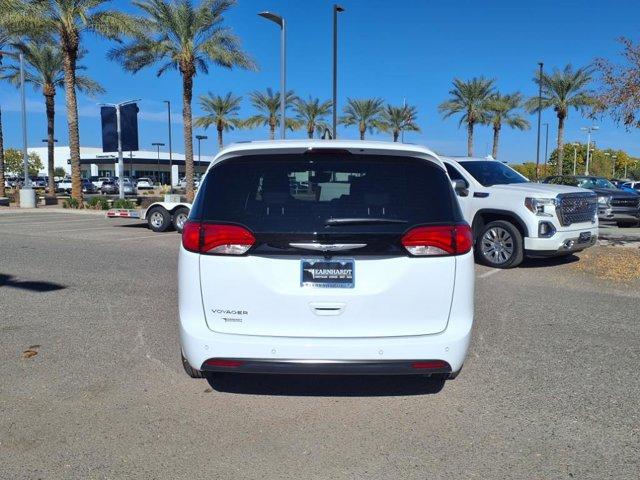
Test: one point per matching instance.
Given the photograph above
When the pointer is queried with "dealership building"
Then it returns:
(95, 163)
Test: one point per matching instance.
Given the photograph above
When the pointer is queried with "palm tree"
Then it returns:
(397, 119)
(561, 90)
(187, 38)
(67, 20)
(502, 110)
(365, 113)
(43, 69)
(268, 104)
(468, 98)
(4, 37)
(312, 113)
(221, 112)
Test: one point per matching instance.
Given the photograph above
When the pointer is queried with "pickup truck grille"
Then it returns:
(625, 202)
(576, 208)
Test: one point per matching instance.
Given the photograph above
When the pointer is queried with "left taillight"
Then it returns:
(438, 240)
(219, 239)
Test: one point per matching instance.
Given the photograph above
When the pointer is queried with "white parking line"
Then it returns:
(157, 235)
(82, 229)
(489, 273)
(49, 223)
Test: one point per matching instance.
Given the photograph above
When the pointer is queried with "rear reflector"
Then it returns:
(431, 365)
(219, 239)
(438, 240)
(220, 362)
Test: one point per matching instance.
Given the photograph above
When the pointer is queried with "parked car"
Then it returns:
(370, 271)
(97, 181)
(128, 187)
(109, 187)
(64, 186)
(620, 185)
(39, 182)
(625, 206)
(513, 218)
(144, 183)
(87, 186)
(634, 185)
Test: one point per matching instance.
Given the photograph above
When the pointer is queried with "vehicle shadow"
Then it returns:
(325, 385)
(548, 262)
(142, 224)
(33, 285)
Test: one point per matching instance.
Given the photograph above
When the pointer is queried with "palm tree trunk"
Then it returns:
(2, 192)
(362, 131)
(50, 108)
(310, 130)
(187, 95)
(470, 139)
(496, 141)
(272, 128)
(69, 66)
(220, 144)
(560, 143)
(396, 134)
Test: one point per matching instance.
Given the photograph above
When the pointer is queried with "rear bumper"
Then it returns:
(320, 367)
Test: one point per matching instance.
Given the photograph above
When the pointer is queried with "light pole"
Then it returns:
(613, 171)
(546, 147)
(118, 106)
(170, 149)
(277, 19)
(199, 138)
(589, 130)
(575, 156)
(540, 64)
(158, 145)
(27, 194)
(336, 9)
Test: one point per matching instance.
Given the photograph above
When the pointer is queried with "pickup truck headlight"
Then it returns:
(604, 200)
(543, 207)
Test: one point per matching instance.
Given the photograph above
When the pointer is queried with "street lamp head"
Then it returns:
(46, 140)
(338, 8)
(273, 17)
(158, 144)
(201, 137)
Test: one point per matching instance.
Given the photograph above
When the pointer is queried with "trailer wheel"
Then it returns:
(158, 219)
(180, 218)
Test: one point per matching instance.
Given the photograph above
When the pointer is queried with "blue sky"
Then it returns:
(403, 49)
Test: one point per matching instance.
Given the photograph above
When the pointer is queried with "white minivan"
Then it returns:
(326, 257)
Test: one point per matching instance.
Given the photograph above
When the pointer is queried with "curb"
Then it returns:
(30, 211)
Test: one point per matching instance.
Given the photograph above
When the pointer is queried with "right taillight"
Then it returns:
(438, 240)
(214, 238)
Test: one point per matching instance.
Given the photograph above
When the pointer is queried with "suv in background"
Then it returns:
(625, 206)
(512, 217)
(325, 256)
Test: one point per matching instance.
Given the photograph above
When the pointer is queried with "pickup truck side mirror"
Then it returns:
(460, 187)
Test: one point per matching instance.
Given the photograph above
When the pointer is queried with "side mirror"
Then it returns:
(460, 187)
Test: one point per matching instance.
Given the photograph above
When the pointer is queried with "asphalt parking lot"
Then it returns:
(550, 388)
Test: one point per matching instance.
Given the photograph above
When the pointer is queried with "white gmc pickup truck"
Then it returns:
(512, 217)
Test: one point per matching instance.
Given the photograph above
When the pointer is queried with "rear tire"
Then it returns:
(158, 219)
(179, 218)
(192, 372)
(499, 245)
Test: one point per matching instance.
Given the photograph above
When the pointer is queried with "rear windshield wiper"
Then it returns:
(361, 221)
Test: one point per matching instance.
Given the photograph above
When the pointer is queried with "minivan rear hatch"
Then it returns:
(326, 257)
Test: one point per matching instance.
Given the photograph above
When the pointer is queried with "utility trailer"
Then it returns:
(160, 216)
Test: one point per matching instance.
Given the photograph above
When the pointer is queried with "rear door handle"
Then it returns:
(325, 309)
(328, 247)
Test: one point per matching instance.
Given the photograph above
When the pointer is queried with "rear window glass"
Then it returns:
(299, 193)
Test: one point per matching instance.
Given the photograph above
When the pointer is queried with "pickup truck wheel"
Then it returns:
(158, 219)
(499, 245)
(180, 218)
(192, 372)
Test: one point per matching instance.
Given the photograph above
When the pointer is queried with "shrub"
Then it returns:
(124, 203)
(98, 203)
(71, 203)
